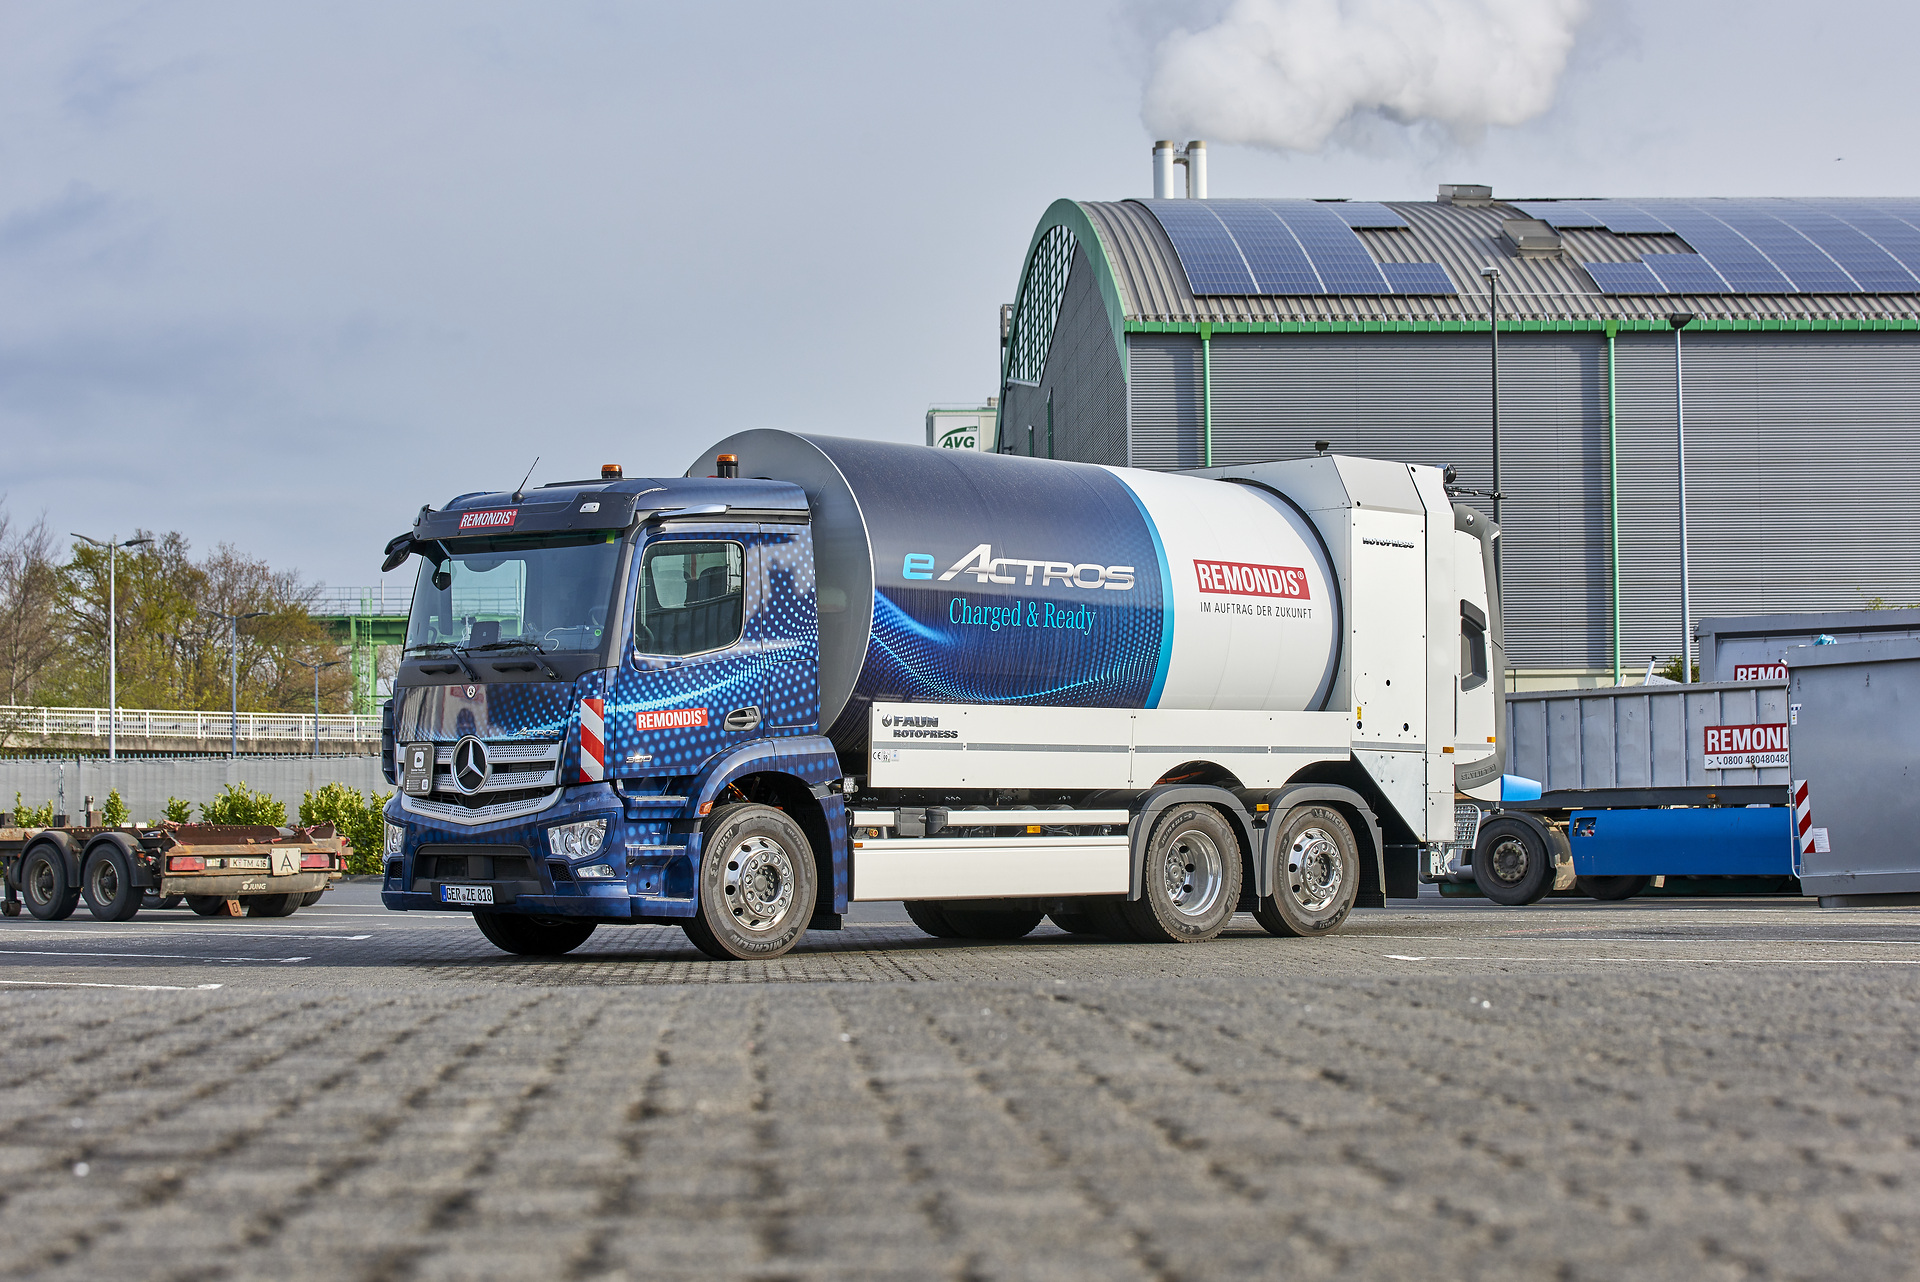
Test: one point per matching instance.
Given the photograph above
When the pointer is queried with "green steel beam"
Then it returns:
(1206, 392)
(1613, 492)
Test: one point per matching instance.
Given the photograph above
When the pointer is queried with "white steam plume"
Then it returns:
(1287, 73)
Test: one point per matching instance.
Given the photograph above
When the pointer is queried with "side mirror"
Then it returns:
(443, 579)
(397, 550)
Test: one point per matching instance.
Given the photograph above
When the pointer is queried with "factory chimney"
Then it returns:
(1194, 159)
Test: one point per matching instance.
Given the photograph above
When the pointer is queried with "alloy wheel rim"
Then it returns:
(1315, 872)
(1193, 873)
(759, 884)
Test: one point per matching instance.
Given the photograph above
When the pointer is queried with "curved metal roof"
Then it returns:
(1464, 239)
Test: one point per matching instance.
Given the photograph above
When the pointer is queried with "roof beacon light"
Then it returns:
(611, 472)
(729, 464)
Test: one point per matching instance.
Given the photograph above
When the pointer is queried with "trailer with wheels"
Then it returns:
(1613, 788)
(814, 671)
(215, 869)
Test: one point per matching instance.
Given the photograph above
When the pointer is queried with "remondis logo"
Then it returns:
(988, 568)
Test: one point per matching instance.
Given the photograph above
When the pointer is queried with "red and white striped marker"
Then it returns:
(593, 739)
(1802, 822)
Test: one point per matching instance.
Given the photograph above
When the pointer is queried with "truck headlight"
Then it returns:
(576, 841)
(396, 838)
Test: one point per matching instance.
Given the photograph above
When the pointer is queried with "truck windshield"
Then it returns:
(549, 590)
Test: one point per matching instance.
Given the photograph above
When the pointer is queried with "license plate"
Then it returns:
(466, 894)
(247, 861)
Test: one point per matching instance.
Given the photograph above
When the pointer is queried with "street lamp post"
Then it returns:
(1679, 321)
(331, 663)
(233, 648)
(112, 545)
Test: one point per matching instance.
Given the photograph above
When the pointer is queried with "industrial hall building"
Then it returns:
(1191, 333)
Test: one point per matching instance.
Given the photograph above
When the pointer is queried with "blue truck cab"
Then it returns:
(592, 668)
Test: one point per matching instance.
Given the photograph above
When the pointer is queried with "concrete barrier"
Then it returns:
(145, 783)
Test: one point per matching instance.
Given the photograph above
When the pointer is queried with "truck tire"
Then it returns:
(208, 905)
(1316, 874)
(1107, 915)
(107, 883)
(757, 885)
(154, 899)
(312, 897)
(533, 936)
(1191, 884)
(272, 905)
(1611, 889)
(929, 917)
(1511, 863)
(1074, 923)
(992, 923)
(44, 884)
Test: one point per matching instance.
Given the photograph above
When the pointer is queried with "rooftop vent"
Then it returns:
(1465, 194)
(1531, 238)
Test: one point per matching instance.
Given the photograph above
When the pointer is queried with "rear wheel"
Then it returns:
(992, 923)
(757, 885)
(1511, 864)
(1315, 876)
(930, 917)
(533, 936)
(44, 884)
(1192, 879)
(107, 883)
(1611, 889)
(312, 897)
(209, 905)
(1074, 923)
(154, 899)
(273, 905)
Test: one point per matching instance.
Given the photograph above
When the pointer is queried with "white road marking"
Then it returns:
(230, 934)
(31, 952)
(139, 988)
(1688, 961)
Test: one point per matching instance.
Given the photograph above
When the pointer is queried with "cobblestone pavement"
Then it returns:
(1656, 1089)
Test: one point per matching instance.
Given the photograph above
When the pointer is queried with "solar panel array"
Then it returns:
(1759, 245)
(1288, 247)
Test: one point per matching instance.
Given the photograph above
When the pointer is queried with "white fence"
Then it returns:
(20, 726)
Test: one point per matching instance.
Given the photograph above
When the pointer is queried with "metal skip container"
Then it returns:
(1856, 767)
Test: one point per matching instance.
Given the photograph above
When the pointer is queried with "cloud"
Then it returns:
(1289, 74)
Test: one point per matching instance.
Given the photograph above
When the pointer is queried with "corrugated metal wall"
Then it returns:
(1425, 398)
(1803, 459)
(1163, 375)
(1082, 376)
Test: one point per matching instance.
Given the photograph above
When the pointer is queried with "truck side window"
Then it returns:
(690, 598)
(1473, 647)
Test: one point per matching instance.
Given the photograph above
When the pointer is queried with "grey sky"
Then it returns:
(278, 274)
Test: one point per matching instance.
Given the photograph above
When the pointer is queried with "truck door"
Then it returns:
(1477, 682)
(691, 685)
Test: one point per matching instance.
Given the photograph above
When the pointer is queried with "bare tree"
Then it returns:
(29, 589)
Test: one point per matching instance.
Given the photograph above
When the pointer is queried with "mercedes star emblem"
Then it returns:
(470, 765)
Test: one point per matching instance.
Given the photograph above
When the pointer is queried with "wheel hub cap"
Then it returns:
(1314, 871)
(1194, 873)
(1508, 860)
(759, 884)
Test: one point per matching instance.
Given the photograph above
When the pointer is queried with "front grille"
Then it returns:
(473, 863)
(524, 779)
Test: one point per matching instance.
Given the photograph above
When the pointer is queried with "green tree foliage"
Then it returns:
(236, 805)
(116, 813)
(32, 816)
(174, 649)
(178, 811)
(1671, 669)
(358, 818)
(29, 590)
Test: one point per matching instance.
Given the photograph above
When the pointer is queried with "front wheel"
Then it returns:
(757, 884)
(533, 936)
(1315, 877)
(1511, 863)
